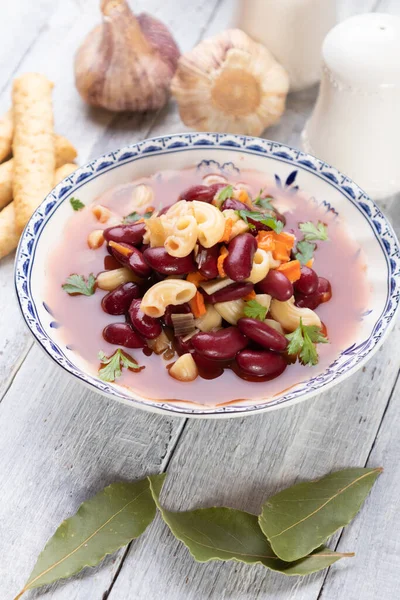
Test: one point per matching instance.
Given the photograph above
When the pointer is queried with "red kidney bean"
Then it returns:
(239, 262)
(179, 309)
(262, 334)
(261, 363)
(277, 285)
(323, 294)
(134, 260)
(208, 369)
(234, 291)
(219, 345)
(130, 234)
(206, 260)
(234, 204)
(161, 261)
(308, 282)
(147, 326)
(202, 193)
(122, 334)
(183, 347)
(119, 300)
(111, 263)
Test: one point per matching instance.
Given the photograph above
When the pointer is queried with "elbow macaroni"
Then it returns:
(288, 315)
(210, 223)
(164, 293)
(183, 238)
(214, 285)
(261, 266)
(231, 311)
(210, 320)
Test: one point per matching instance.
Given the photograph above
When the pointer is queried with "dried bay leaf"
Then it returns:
(103, 524)
(229, 534)
(302, 517)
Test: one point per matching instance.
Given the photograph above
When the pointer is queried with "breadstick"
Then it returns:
(65, 153)
(8, 236)
(6, 134)
(33, 144)
(64, 171)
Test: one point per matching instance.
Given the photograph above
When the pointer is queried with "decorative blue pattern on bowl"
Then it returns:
(346, 363)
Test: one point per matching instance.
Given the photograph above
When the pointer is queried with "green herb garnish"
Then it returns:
(302, 343)
(135, 216)
(264, 203)
(305, 251)
(314, 232)
(223, 194)
(77, 284)
(76, 204)
(113, 365)
(255, 310)
(271, 222)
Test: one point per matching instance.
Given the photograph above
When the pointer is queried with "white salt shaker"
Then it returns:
(355, 125)
(293, 30)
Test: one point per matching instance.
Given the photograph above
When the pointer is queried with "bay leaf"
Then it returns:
(302, 517)
(102, 525)
(228, 534)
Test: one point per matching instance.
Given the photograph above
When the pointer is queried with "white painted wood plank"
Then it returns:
(59, 445)
(239, 463)
(375, 534)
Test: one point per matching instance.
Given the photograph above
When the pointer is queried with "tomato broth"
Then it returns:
(81, 319)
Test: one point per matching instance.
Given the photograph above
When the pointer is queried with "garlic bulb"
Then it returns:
(231, 84)
(127, 62)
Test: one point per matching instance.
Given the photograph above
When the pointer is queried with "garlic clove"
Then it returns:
(126, 64)
(230, 83)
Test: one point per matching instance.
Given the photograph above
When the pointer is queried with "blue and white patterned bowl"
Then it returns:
(334, 190)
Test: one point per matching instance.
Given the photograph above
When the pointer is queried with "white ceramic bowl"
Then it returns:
(332, 189)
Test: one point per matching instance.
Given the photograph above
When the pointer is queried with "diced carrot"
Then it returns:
(266, 240)
(310, 263)
(195, 278)
(250, 296)
(228, 230)
(140, 221)
(197, 305)
(150, 209)
(120, 248)
(285, 238)
(244, 197)
(220, 262)
(291, 269)
(281, 252)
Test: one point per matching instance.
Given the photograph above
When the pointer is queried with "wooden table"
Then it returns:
(60, 443)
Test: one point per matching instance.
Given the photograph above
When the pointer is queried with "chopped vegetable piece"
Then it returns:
(228, 230)
(183, 323)
(310, 263)
(266, 240)
(265, 202)
(285, 238)
(302, 343)
(314, 232)
(281, 252)
(244, 197)
(255, 310)
(305, 251)
(250, 296)
(76, 204)
(113, 364)
(77, 284)
(197, 305)
(220, 262)
(224, 194)
(291, 269)
(196, 278)
(134, 216)
(261, 218)
(120, 248)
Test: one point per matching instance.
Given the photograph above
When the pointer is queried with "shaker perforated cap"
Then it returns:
(363, 52)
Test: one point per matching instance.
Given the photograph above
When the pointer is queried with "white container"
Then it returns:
(293, 30)
(355, 125)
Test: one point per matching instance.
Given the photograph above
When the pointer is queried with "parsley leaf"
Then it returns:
(225, 193)
(77, 284)
(261, 218)
(265, 202)
(305, 251)
(302, 343)
(113, 364)
(76, 204)
(255, 310)
(314, 232)
(135, 216)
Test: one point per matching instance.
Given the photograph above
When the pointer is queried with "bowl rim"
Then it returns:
(358, 354)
